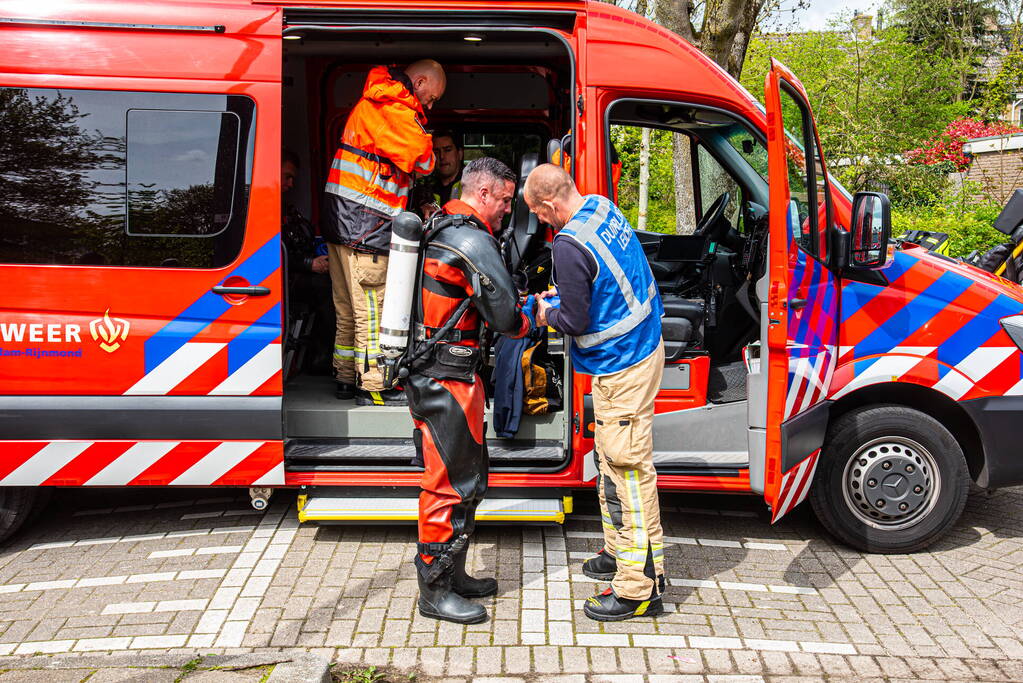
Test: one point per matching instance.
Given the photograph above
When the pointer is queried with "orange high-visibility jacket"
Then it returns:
(384, 143)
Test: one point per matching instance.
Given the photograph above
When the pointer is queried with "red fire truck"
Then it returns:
(149, 335)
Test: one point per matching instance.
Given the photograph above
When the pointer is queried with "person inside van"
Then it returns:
(308, 278)
(446, 182)
(384, 145)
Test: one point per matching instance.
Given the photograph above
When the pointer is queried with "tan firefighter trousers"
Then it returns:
(357, 279)
(623, 406)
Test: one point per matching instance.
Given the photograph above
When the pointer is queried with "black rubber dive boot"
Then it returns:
(601, 566)
(467, 586)
(609, 607)
(438, 601)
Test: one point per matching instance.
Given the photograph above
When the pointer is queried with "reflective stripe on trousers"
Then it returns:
(627, 486)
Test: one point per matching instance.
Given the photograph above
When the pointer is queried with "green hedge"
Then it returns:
(969, 227)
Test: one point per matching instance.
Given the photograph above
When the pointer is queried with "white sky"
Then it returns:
(819, 13)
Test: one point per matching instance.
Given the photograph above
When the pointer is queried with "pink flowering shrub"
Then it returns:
(947, 146)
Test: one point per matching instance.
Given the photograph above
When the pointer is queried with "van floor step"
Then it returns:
(320, 508)
(328, 451)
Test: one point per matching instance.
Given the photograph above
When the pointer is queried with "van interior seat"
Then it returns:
(682, 324)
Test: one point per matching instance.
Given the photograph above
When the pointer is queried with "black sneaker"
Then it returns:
(609, 607)
(344, 391)
(391, 397)
(601, 566)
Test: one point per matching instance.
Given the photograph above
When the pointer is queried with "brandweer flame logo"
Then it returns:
(109, 332)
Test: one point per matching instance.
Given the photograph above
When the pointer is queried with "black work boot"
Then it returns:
(467, 586)
(601, 566)
(390, 397)
(438, 601)
(609, 607)
(344, 391)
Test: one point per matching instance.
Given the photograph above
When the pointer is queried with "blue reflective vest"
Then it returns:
(625, 307)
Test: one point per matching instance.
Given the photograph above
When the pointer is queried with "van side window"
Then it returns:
(123, 178)
(809, 211)
(181, 171)
(643, 178)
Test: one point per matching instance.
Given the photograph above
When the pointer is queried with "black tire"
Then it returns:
(43, 499)
(898, 451)
(16, 507)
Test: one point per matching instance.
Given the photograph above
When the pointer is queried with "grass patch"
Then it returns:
(370, 674)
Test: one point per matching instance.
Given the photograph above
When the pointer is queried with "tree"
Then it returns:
(962, 31)
(873, 100)
(722, 30)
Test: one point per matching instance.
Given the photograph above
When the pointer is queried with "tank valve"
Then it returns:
(260, 497)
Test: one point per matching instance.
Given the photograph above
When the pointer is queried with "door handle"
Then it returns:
(797, 304)
(241, 291)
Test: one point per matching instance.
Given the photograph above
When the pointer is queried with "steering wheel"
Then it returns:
(714, 218)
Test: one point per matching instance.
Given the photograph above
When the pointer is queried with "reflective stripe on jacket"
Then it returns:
(383, 144)
(625, 306)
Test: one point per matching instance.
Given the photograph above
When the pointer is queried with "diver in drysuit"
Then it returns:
(462, 285)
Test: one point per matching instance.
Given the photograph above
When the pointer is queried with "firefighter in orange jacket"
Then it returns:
(384, 145)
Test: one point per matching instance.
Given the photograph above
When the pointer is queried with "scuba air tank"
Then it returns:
(406, 234)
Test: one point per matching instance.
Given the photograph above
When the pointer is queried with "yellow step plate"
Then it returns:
(313, 508)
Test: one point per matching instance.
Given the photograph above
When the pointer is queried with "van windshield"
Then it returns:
(754, 153)
(747, 146)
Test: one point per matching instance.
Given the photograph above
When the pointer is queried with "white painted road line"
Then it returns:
(686, 540)
(160, 506)
(708, 512)
(185, 533)
(162, 606)
(188, 552)
(729, 585)
(113, 580)
(221, 513)
(94, 644)
(713, 643)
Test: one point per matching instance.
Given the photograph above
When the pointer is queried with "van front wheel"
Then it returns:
(890, 480)
(16, 506)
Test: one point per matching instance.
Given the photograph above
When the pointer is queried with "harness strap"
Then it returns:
(424, 333)
(373, 157)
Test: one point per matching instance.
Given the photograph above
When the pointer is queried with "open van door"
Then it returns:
(802, 300)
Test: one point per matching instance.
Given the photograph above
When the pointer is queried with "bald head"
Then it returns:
(548, 181)
(552, 195)
(428, 81)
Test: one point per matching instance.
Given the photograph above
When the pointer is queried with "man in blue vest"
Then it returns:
(612, 311)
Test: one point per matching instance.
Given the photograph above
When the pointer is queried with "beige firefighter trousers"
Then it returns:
(623, 407)
(357, 280)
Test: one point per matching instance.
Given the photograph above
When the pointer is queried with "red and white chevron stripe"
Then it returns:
(141, 463)
(204, 365)
(979, 373)
(795, 485)
(811, 377)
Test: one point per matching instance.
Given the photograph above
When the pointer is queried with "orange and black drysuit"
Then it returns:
(465, 283)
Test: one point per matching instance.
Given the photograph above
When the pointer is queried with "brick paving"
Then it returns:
(198, 572)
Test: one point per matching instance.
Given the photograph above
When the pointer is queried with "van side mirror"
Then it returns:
(870, 231)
